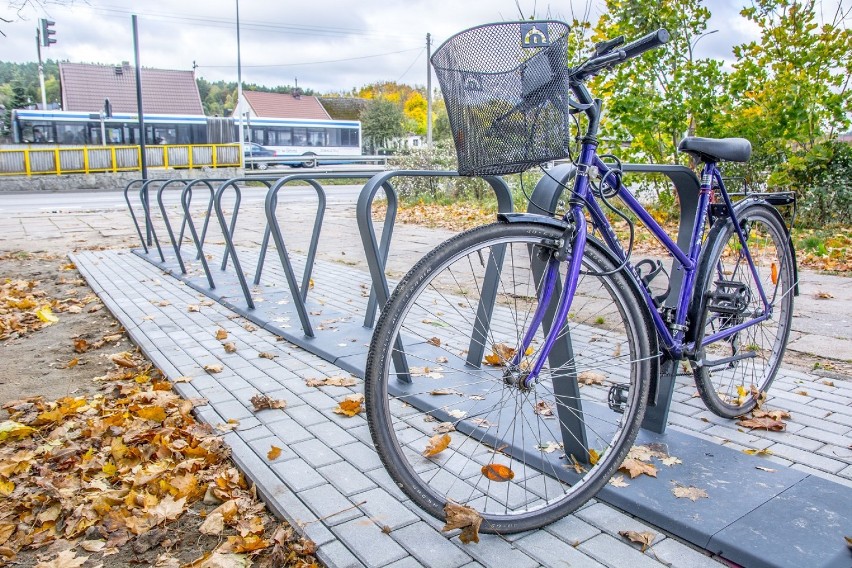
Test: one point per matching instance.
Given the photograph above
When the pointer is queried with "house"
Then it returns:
(85, 86)
(282, 105)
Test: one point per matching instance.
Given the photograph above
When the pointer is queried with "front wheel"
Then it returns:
(449, 417)
(732, 372)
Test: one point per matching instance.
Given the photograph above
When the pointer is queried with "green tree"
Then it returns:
(381, 120)
(656, 99)
(790, 89)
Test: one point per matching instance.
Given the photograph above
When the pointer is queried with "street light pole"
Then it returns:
(429, 91)
(240, 89)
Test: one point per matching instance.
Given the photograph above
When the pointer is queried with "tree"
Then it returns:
(656, 99)
(791, 89)
(415, 109)
(381, 120)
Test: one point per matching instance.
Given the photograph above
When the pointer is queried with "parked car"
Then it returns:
(253, 150)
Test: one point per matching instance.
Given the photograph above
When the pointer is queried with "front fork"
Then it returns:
(574, 252)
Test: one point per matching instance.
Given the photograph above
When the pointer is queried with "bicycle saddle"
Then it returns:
(717, 149)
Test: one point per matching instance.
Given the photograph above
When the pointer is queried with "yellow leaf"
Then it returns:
(230, 347)
(593, 456)
(15, 430)
(643, 538)
(635, 468)
(109, 468)
(45, 314)
(274, 453)
(123, 359)
(437, 444)
(155, 413)
(6, 488)
(72, 363)
(351, 405)
(221, 334)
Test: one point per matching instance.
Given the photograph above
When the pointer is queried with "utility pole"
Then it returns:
(429, 91)
(240, 90)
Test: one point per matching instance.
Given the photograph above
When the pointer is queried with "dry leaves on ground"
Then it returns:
(645, 539)
(639, 460)
(465, 518)
(350, 405)
(263, 402)
(437, 444)
(331, 382)
(689, 492)
(118, 468)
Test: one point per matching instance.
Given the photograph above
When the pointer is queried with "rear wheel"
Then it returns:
(732, 372)
(521, 457)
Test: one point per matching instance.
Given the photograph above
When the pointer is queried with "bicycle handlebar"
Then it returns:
(645, 43)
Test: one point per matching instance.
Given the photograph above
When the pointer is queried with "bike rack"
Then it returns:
(545, 197)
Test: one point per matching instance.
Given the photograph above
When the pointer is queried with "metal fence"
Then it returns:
(85, 159)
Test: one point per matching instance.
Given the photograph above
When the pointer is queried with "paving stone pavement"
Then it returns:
(329, 481)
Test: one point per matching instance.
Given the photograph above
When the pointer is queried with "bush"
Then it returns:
(822, 179)
(441, 157)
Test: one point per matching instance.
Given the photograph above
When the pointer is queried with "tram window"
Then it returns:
(165, 135)
(280, 137)
(316, 137)
(333, 137)
(184, 134)
(113, 135)
(300, 136)
(199, 134)
(38, 133)
(71, 133)
(257, 136)
(349, 137)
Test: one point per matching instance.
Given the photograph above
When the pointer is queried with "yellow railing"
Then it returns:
(93, 159)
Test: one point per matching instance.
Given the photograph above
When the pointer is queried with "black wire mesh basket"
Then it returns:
(506, 90)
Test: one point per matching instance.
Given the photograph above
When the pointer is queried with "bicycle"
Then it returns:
(575, 332)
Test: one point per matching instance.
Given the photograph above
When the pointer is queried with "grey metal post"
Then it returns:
(143, 160)
(429, 91)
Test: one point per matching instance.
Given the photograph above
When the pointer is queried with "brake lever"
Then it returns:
(604, 47)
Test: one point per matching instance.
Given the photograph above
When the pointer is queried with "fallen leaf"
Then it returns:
(437, 444)
(123, 359)
(828, 383)
(765, 423)
(549, 447)
(436, 341)
(438, 392)
(217, 368)
(274, 453)
(231, 424)
(543, 408)
(193, 308)
(155, 413)
(823, 295)
(691, 493)
(456, 413)
(670, 461)
(183, 379)
(221, 334)
(754, 452)
(45, 314)
(848, 541)
(635, 468)
(591, 378)
(93, 545)
(337, 381)
(594, 456)
(618, 481)
(266, 355)
(263, 402)
(642, 538)
(66, 559)
(465, 518)
(14, 430)
(81, 345)
(230, 347)
(168, 509)
(351, 405)
(443, 428)
(498, 472)
(72, 363)
(773, 414)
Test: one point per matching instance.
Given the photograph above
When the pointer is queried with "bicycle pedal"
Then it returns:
(617, 397)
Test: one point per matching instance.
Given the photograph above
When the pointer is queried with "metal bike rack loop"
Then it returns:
(186, 199)
(377, 255)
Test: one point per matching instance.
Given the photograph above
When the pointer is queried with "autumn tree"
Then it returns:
(656, 99)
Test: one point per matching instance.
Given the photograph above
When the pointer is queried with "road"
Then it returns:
(57, 202)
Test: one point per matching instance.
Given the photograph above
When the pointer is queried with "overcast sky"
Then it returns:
(329, 45)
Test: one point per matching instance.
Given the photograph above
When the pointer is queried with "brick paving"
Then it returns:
(328, 479)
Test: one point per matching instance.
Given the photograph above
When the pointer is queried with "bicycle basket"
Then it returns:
(506, 90)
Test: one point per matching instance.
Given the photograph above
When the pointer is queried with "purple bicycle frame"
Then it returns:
(671, 334)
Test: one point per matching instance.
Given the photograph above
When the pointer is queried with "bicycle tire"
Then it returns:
(608, 329)
(733, 389)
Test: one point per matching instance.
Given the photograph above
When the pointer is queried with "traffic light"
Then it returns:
(46, 32)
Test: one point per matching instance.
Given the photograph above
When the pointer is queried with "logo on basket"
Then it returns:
(533, 36)
(472, 83)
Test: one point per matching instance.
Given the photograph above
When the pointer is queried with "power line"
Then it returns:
(315, 62)
(412, 65)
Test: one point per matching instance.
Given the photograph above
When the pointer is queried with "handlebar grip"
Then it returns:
(645, 43)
